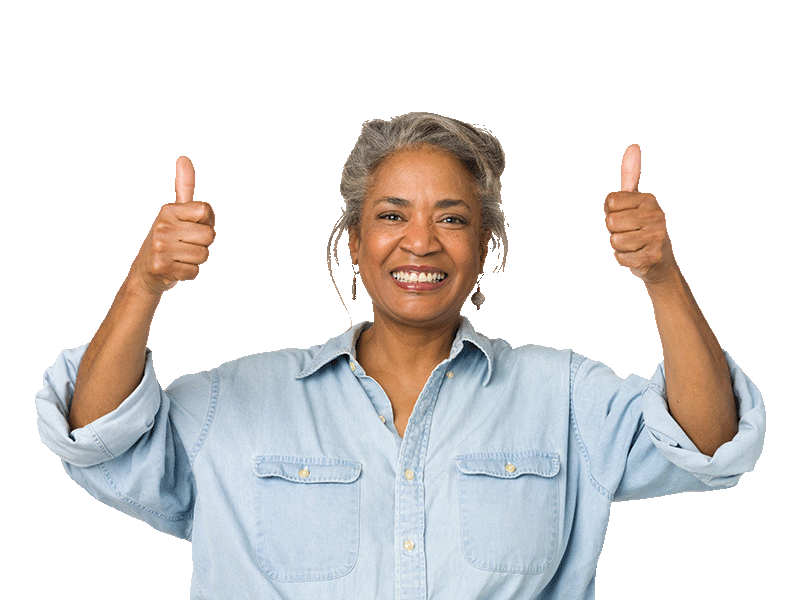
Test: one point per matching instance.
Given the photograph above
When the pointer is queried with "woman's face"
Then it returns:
(419, 247)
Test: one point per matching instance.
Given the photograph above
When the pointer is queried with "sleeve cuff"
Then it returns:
(732, 459)
(106, 437)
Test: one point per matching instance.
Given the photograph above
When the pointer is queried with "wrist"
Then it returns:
(667, 283)
(134, 289)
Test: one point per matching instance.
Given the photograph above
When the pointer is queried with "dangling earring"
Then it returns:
(478, 298)
(354, 280)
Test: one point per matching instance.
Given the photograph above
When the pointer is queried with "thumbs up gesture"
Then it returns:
(178, 240)
(637, 225)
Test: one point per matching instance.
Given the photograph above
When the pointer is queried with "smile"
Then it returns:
(415, 277)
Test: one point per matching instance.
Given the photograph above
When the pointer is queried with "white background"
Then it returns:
(100, 98)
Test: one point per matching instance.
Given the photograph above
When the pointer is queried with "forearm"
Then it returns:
(699, 390)
(113, 364)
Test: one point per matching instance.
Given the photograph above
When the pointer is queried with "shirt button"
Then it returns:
(304, 472)
(450, 374)
(408, 545)
(353, 366)
(409, 474)
(510, 468)
(383, 419)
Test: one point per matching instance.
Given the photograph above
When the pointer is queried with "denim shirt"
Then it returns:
(286, 472)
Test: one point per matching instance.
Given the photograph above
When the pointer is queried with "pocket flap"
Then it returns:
(509, 465)
(307, 470)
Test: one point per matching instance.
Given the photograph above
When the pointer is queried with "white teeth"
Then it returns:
(414, 277)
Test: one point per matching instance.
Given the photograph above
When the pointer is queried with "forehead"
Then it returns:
(422, 173)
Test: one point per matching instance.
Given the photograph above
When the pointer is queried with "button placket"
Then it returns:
(410, 490)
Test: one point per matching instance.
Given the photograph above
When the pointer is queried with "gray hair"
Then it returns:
(476, 149)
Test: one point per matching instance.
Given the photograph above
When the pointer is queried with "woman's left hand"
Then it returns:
(638, 226)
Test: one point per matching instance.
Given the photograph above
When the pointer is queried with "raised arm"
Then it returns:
(699, 390)
(177, 244)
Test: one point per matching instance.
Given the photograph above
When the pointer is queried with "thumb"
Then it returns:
(631, 168)
(184, 180)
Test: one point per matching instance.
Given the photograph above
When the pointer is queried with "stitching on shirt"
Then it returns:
(661, 391)
(196, 586)
(99, 442)
(110, 480)
(579, 440)
(210, 414)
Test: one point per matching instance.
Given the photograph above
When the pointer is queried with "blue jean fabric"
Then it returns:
(286, 472)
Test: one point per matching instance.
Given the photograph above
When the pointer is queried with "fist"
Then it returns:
(637, 225)
(178, 240)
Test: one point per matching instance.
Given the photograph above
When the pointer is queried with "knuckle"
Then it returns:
(204, 211)
(161, 228)
(159, 245)
(159, 265)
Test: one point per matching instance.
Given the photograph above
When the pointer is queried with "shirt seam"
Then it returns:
(139, 506)
(99, 442)
(599, 488)
(210, 414)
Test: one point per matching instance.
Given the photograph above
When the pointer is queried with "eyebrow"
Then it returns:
(403, 203)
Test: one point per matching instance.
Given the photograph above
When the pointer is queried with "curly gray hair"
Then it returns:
(476, 149)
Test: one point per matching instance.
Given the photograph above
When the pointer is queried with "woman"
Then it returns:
(411, 457)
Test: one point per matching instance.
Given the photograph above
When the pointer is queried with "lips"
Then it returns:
(413, 277)
(421, 278)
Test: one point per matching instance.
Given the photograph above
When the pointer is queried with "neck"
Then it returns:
(405, 348)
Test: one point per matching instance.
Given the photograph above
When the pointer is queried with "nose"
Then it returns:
(420, 238)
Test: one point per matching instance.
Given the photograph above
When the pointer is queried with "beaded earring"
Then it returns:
(478, 298)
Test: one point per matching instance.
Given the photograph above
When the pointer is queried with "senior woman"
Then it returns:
(410, 457)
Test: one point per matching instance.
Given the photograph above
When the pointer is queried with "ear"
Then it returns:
(353, 243)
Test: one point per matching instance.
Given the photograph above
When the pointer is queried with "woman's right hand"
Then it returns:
(178, 240)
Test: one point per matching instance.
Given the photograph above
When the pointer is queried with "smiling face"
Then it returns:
(419, 247)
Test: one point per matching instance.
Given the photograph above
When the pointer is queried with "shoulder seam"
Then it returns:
(599, 488)
(210, 414)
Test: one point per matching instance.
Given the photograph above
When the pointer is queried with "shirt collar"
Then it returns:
(345, 345)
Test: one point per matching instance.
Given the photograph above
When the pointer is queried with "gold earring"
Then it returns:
(354, 280)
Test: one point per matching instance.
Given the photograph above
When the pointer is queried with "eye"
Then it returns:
(391, 216)
(454, 220)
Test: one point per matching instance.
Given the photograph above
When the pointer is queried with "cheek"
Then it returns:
(375, 243)
(469, 250)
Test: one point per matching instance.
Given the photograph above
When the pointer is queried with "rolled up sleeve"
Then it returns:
(105, 438)
(133, 458)
(733, 458)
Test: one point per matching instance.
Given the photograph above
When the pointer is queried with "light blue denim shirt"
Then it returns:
(286, 471)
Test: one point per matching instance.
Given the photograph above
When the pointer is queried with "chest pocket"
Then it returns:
(307, 516)
(509, 506)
